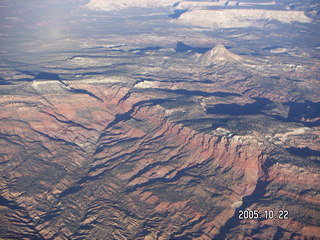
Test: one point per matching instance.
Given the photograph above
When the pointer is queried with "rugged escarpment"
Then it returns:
(124, 150)
(109, 160)
(159, 120)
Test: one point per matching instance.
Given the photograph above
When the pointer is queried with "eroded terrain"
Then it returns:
(146, 136)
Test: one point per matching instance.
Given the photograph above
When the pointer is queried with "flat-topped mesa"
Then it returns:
(219, 54)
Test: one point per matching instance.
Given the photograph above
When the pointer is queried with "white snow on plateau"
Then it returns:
(221, 3)
(239, 18)
(111, 5)
(201, 14)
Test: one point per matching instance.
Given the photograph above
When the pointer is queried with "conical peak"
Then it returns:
(219, 49)
(220, 54)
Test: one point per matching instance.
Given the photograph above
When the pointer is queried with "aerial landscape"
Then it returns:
(167, 119)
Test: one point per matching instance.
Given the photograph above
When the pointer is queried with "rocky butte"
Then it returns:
(220, 55)
(112, 136)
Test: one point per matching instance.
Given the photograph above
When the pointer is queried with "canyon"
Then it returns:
(168, 134)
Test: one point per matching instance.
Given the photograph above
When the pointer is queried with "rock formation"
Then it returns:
(108, 132)
(219, 54)
(85, 163)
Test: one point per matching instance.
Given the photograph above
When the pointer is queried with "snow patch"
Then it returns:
(236, 18)
(111, 5)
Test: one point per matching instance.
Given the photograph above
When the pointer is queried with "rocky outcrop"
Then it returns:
(220, 55)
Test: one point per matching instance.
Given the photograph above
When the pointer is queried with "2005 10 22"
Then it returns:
(267, 214)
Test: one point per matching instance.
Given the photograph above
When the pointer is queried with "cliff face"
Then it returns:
(98, 159)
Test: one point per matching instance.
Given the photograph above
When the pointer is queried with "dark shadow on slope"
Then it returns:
(10, 204)
(303, 152)
(47, 76)
(177, 13)
(16, 235)
(4, 82)
(181, 47)
(70, 190)
(83, 91)
(302, 113)
(307, 110)
(235, 109)
(38, 76)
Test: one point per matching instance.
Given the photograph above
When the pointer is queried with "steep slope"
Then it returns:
(109, 132)
(219, 55)
(113, 164)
